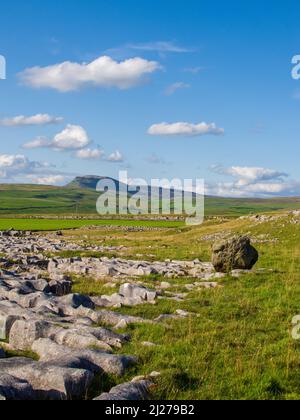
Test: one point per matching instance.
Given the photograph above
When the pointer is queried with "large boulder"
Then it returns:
(234, 254)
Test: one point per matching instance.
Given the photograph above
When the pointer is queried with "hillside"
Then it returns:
(79, 198)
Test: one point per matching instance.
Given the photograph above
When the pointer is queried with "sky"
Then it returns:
(162, 89)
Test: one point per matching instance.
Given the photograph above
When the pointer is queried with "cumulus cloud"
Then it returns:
(19, 169)
(90, 154)
(10, 164)
(176, 86)
(185, 129)
(102, 72)
(253, 182)
(250, 174)
(38, 119)
(73, 137)
(13, 165)
(115, 157)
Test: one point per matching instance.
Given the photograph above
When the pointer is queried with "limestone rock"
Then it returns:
(92, 360)
(48, 381)
(234, 254)
(12, 388)
(131, 391)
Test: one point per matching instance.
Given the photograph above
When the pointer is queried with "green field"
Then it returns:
(237, 345)
(52, 224)
(35, 200)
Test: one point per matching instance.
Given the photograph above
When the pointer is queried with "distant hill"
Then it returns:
(79, 198)
(90, 182)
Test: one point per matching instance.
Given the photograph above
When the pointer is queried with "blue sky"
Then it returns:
(217, 74)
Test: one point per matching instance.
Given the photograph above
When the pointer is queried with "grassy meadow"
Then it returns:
(47, 224)
(31, 200)
(238, 343)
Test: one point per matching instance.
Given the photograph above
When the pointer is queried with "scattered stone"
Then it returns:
(131, 391)
(165, 285)
(155, 374)
(148, 344)
(129, 295)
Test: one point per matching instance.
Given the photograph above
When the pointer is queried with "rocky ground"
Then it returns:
(73, 338)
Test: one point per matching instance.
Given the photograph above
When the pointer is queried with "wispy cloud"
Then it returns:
(38, 119)
(185, 129)
(154, 159)
(175, 87)
(161, 47)
(193, 70)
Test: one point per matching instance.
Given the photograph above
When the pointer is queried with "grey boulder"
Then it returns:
(234, 254)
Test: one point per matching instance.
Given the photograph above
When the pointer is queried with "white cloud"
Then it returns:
(250, 174)
(73, 137)
(176, 86)
(39, 142)
(19, 169)
(90, 154)
(102, 72)
(253, 182)
(268, 189)
(39, 119)
(11, 165)
(185, 129)
(116, 157)
(49, 179)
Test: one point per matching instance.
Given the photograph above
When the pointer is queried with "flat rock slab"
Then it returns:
(92, 360)
(48, 381)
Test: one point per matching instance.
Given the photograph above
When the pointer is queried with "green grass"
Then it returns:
(59, 224)
(238, 343)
